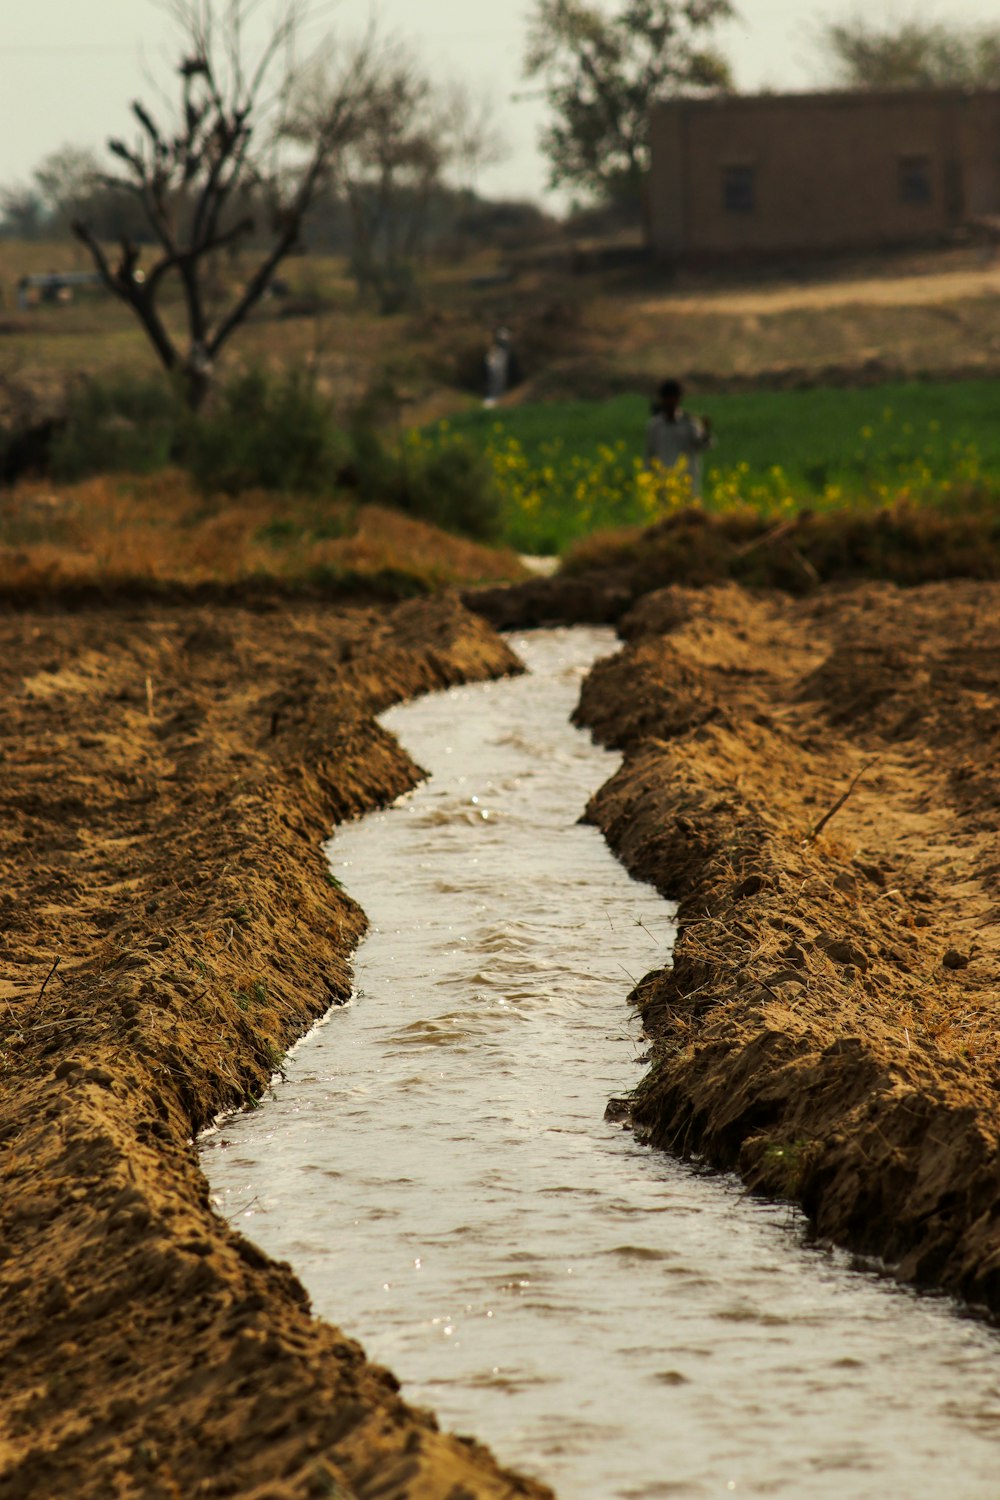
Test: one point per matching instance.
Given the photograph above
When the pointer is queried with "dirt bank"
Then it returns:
(166, 930)
(829, 1027)
(816, 781)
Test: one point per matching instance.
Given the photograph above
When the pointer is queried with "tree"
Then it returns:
(22, 212)
(911, 54)
(66, 181)
(601, 74)
(203, 178)
(391, 174)
(71, 185)
(68, 185)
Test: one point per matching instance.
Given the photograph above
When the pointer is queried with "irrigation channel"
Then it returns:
(437, 1168)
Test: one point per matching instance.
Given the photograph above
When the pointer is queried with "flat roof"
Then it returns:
(826, 97)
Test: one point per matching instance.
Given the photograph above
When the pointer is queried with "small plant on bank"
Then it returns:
(276, 1059)
(784, 1163)
(254, 994)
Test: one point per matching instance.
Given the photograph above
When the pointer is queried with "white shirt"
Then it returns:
(678, 442)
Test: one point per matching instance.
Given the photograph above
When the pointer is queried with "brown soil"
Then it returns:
(829, 1026)
(815, 781)
(167, 778)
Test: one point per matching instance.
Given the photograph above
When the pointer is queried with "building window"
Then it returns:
(915, 179)
(739, 192)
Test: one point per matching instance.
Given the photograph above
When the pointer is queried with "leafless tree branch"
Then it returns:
(226, 145)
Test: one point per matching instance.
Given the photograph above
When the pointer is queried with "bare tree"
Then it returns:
(411, 134)
(208, 176)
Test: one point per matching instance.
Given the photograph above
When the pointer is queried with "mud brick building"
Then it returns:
(775, 174)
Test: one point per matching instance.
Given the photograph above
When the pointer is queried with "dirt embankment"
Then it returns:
(167, 779)
(816, 781)
(829, 1026)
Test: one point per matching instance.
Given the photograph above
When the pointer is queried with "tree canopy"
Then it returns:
(601, 71)
(911, 54)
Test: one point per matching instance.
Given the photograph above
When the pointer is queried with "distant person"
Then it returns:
(501, 367)
(674, 437)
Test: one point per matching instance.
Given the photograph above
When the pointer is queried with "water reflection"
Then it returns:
(438, 1169)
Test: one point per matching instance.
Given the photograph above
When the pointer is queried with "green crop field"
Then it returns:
(568, 468)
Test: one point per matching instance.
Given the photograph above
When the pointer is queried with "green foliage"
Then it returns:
(265, 431)
(276, 432)
(912, 54)
(121, 425)
(442, 479)
(568, 468)
(276, 1058)
(262, 431)
(254, 994)
(601, 73)
(454, 487)
(542, 476)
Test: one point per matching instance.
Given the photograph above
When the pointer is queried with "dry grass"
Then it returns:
(115, 532)
(320, 324)
(586, 334)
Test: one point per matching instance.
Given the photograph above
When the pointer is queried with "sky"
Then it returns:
(69, 67)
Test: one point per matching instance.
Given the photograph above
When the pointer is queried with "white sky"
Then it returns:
(69, 67)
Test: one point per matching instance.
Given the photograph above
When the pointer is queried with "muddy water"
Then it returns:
(438, 1170)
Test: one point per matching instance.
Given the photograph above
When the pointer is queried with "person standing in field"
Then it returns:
(674, 437)
(501, 367)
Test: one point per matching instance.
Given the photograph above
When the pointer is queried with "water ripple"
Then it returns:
(438, 1169)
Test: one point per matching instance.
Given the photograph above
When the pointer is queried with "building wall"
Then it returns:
(820, 172)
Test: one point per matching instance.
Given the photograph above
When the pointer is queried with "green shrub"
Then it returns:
(276, 432)
(118, 425)
(454, 486)
(265, 431)
(449, 483)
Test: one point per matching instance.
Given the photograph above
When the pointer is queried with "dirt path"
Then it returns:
(830, 1026)
(929, 290)
(167, 778)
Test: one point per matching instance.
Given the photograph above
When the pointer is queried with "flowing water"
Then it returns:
(437, 1168)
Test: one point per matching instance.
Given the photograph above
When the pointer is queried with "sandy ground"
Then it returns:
(167, 778)
(929, 289)
(816, 782)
